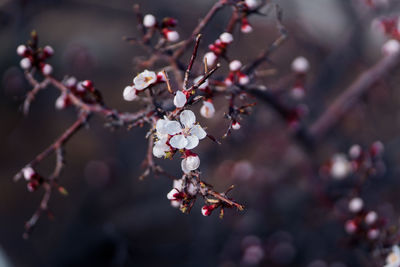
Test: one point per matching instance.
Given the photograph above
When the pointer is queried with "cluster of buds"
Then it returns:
(165, 27)
(218, 48)
(84, 90)
(33, 178)
(34, 57)
(364, 224)
(300, 67)
(235, 75)
(358, 160)
(182, 193)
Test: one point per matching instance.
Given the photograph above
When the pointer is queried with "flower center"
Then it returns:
(147, 79)
(393, 258)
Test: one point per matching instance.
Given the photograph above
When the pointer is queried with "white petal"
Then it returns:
(198, 132)
(190, 163)
(207, 110)
(176, 203)
(178, 184)
(173, 127)
(204, 85)
(171, 194)
(187, 118)
(179, 99)
(160, 126)
(193, 141)
(178, 141)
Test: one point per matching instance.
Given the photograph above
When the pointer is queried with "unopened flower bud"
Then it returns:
(391, 47)
(300, 64)
(371, 217)
(206, 210)
(226, 37)
(172, 194)
(61, 102)
(243, 79)
(21, 50)
(355, 151)
(236, 125)
(377, 148)
(297, 93)
(350, 227)
(129, 93)
(356, 204)
(32, 185)
(25, 63)
(235, 65)
(47, 69)
(172, 36)
(252, 4)
(149, 21)
(28, 173)
(211, 58)
(48, 51)
(373, 234)
(190, 163)
(246, 28)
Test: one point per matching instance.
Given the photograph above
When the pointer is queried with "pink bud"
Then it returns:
(48, 51)
(22, 50)
(47, 69)
(246, 28)
(351, 227)
(206, 210)
(149, 21)
(235, 65)
(236, 125)
(28, 173)
(25, 63)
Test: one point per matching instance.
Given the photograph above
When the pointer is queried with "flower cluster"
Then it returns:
(173, 136)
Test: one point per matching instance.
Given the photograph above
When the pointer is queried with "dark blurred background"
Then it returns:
(110, 218)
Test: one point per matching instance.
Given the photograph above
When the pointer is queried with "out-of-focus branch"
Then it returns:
(352, 94)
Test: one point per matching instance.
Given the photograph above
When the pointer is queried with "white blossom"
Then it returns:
(129, 93)
(144, 80)
(300, 64)
(207, 110)
(211, 58)
(190, 163)
(161, 148)
(180, 99)
(48, 50)
(236, 125)
(393, 259)
(172, 194)
(226, 37)
(149, 21)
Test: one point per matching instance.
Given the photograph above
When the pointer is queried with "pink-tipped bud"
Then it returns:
(243, 79)
(391, 47)
(236, 125)
(62, 102)
(161, 77)
(171, 36)
(356, 204)
(300, 65)
(33, 185)
(235, 65)
(226, 38)
(252, 4)
(22, 50)
(206, 210)
(246, 28)
(371, 217)
(355, 151)
(149, 21)
(207, 110)
(47, 69)
(373, 234)
(350, 227)
(28, 173)
(297, 93)
(25, 63)
(377, 148)
(211, 58)
(88, 84)
(48, 51)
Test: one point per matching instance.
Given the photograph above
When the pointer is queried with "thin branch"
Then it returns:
(352, 94)
(192, 58)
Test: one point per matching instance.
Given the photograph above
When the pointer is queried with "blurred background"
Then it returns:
(110, 218)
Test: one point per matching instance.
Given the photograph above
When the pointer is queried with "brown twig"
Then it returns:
(192, 58)
(352, 94)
